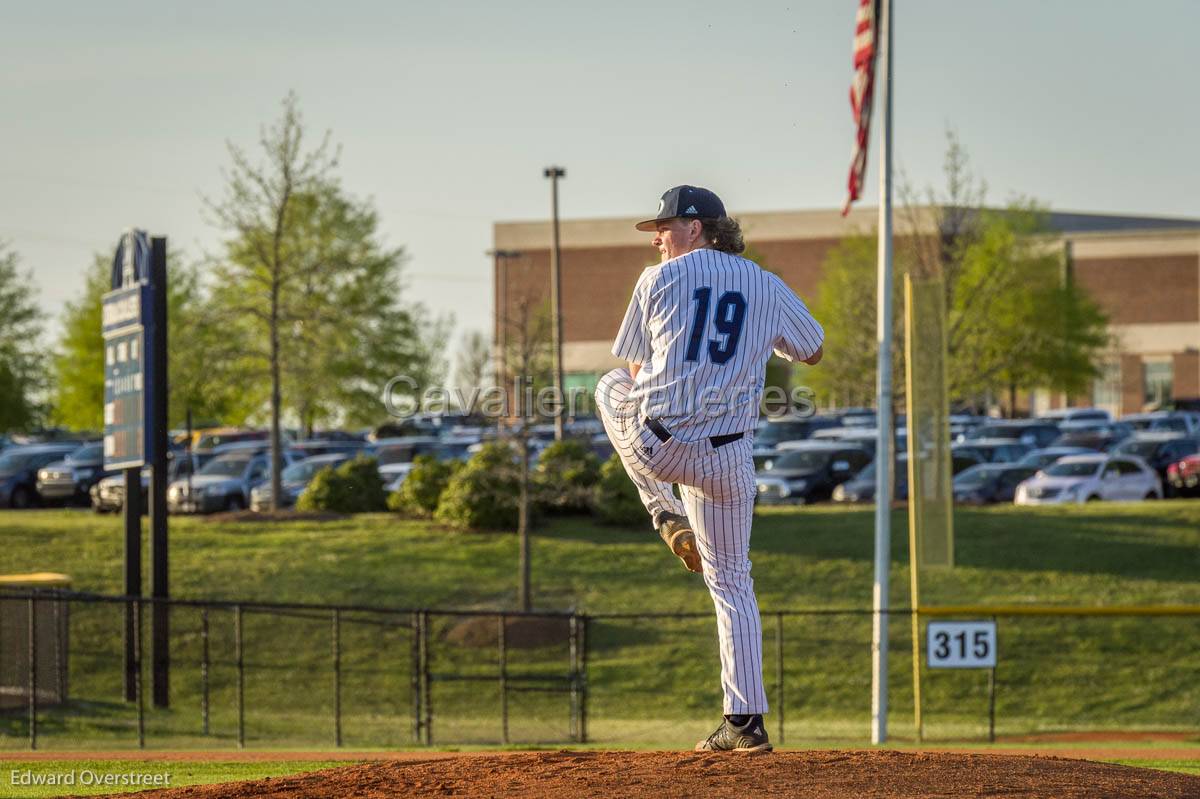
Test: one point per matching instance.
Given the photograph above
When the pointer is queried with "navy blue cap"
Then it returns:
(685, 202)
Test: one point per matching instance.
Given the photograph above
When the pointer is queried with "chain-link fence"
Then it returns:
(263, 674)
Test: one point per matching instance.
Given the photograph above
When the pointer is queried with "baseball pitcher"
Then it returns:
(697, 335)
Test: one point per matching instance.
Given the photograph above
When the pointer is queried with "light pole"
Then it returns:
(554, 173)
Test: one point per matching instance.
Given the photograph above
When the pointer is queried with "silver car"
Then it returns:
(223, 484)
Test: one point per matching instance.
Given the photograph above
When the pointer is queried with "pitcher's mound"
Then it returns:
(821, 775)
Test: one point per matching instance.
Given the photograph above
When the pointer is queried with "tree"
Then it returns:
(307, 289)
(473, 368)
(21, 363)
(1014, 318)
(198, 354)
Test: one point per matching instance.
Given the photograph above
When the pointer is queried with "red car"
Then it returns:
(1184, 476)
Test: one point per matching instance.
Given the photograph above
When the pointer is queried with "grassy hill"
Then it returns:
(649, 680)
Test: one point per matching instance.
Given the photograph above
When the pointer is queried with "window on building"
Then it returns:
(1159, 375)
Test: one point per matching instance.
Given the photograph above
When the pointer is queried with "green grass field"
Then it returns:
(46, 778)
(649, 681)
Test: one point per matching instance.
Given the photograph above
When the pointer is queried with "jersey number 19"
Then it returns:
(728, 318)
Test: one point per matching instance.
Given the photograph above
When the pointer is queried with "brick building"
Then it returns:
(1144, 272)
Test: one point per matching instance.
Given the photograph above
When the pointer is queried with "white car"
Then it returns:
(1084, 478)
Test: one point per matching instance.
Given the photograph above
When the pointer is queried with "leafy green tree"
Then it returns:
(1014, 319)
(21, 363)
(307, 289)
(198, 354)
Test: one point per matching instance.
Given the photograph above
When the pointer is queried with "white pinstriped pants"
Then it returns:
(718, 487)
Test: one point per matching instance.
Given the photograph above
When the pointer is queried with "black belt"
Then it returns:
(663, 434)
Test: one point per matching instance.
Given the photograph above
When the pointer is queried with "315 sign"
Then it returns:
(961, 644)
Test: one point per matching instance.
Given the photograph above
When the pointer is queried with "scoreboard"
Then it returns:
(125, 393)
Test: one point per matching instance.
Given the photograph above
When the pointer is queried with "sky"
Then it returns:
(119, 114)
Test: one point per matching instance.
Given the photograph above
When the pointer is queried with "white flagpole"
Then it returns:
(883, 448)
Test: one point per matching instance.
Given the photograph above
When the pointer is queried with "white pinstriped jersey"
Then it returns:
(702, 326)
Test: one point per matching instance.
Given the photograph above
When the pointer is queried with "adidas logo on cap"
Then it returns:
(691, 209)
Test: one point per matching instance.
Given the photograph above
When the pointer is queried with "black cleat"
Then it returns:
(677, 532)
(729, 737)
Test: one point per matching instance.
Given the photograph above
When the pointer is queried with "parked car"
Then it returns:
(1041, 458)
(294, 479)
(993, 450)
(1033, 432)
(1060, 415)
(70, 479)
(989, 483)
(206, 440)
(773, 432)
(404, 449)
(1184, 476)
(324, 446)
(394, 475)
(18, 471)
(1186, 422)
(108, 494)
(861, 487)
(1097, 436)
(808, 471)
(1159, 451)
(1085, 478)
(224, 483)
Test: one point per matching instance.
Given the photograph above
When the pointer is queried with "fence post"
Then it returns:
(137, 673)
(60, 648)
(337, 678)
(426, 680)
(204, 668)
(33, 681)
(992, 696)
(583, 681)
(414, 620)
(502, 654)
(779, 669)
(241, 676)
(573, 646)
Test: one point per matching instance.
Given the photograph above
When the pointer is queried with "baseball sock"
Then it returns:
(738, 720)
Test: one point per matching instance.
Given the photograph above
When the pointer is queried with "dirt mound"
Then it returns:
(819, 775)
(520, 632)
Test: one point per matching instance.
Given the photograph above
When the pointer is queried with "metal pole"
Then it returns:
(33, 681)
(554, 173)
(133, 567)
(583, 686)
(883, 449)
(160, 641)
(779, 670)
(241, 676)
(992, 700)
(427, 704)
(204, 655)
(502, 653)
(141, 700)
(573, 649)
(337, 678)
(60, 648)
(415, 683)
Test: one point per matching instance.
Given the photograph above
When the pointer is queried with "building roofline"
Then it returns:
(821, 223)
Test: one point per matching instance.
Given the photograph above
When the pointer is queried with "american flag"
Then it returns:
(860, 94)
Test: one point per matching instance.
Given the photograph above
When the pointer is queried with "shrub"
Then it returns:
(422, 489)
(485, 492)
(353, 487)
(615, 499)
(566, 476)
